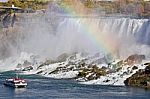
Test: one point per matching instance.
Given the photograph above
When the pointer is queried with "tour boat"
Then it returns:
(15, 82)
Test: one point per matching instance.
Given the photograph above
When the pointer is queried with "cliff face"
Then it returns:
(9, 36)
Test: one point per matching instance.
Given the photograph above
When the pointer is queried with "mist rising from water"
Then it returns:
(50, 35)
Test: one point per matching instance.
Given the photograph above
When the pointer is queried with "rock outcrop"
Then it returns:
(134, 59)
(140, 79)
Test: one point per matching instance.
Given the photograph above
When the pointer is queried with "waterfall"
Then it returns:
(131, 35)
(51, 37)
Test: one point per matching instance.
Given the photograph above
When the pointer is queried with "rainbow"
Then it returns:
(90, 29)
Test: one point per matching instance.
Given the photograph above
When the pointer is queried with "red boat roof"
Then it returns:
(15, 79)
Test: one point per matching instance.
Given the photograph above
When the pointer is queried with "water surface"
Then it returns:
(47, 88)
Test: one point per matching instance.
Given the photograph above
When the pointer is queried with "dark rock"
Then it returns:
(147, 70)
(133, 59)
(91, 77)
(54, 72)
(91, 73)
(39, 72)
(134, 68)
(28, 68)
(148, 64)
(104, 68)
(106, 80)
(118, 69)
(139, 79)
(120, 63)
(82, 74)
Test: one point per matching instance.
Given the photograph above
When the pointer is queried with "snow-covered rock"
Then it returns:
(114, 73)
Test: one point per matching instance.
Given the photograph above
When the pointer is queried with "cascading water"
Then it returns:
(73, 35)
(50, 36)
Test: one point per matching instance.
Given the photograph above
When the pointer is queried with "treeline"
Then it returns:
(132, 7)
(128, 7)
(25, 4)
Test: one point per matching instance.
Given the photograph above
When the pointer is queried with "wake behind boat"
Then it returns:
(15, 82)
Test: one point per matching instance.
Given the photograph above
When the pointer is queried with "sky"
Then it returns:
(3, 0)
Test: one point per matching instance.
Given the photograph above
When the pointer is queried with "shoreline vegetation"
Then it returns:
(136, 8)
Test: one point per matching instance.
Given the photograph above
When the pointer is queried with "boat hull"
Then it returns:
(15, 85)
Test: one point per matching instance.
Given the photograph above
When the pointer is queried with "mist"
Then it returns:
(50, 34)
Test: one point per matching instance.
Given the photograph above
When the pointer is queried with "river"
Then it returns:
(47, 88)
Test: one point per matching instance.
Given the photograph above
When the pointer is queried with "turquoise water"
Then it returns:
(46, 88)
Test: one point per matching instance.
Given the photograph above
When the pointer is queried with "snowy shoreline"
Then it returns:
(70, 69)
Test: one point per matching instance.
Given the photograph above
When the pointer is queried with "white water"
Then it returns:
(130, 35)
(71, 35)
(55, 36)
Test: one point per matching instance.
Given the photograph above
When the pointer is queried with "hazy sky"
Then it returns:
(3, 0)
